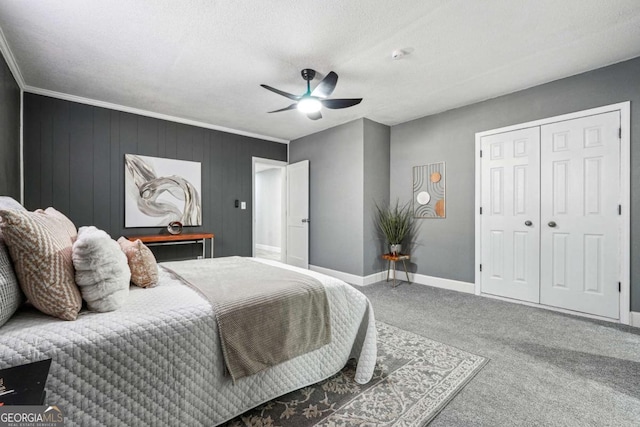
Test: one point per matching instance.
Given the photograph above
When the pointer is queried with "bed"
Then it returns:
(158, 361)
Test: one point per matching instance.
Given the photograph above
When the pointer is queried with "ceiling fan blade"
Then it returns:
(283, 93)
(335, 104)
(290, 107)
(314, 116)
(326, 86)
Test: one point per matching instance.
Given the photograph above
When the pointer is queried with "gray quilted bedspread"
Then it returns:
(157, 361)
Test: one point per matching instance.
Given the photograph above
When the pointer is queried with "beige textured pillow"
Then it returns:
(40, 247)
(66, 222)
(142, 263)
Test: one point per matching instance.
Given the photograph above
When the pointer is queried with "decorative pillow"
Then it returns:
(7, 202)
(143, 265)
(66, 222)
(11, 296)
(40, 249)
(102, 271)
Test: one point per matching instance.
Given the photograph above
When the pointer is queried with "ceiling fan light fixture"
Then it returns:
(312, 101)
(309, 105)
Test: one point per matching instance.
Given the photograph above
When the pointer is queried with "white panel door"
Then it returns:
(580, 181)
(298, 214)
(510, 214)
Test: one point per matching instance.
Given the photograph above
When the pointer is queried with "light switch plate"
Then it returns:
(243, 205)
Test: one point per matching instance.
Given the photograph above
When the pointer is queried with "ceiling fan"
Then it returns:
(311, 102)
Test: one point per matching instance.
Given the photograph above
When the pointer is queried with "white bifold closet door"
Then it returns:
(511, 214)
(550, 221)
(580, 240)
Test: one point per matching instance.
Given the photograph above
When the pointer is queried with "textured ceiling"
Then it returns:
(203, 60)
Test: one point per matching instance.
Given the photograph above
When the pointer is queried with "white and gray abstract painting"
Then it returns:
(159, 191)
(429, 191)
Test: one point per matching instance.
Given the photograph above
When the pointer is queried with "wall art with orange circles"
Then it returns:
(429, 191)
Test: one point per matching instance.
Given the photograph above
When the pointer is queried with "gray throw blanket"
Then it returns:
(266, 315)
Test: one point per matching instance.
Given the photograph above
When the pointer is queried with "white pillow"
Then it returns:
(102, 272)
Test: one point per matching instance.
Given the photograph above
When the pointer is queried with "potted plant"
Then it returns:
(395, 223)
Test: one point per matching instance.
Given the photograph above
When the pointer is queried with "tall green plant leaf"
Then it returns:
(394, 222)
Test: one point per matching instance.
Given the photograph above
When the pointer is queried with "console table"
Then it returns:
(176, 239)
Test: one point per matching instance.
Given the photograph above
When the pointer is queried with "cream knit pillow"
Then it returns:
(40, 247)
(143, 265)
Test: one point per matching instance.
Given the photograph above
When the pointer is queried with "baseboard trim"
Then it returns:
(452, 285)
(436, 282)
(420, 279)
(439, 282)
(634, 319)
(275, 249)
(374, 278)
(353, 279)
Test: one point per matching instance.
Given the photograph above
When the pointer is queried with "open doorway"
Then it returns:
(269, 209)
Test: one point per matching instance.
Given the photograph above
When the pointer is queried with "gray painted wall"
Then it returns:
(335, 195)
(74, 161)
(376, 190)
(447, 245)
(9, 133)
(348, 173)
(269, 207)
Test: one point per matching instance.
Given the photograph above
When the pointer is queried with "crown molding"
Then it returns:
(17, 74)
(118, 107)
(11, 60)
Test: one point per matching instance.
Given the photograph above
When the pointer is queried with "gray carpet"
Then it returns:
(546, 368)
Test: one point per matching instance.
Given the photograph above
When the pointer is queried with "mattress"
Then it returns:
(157, 360)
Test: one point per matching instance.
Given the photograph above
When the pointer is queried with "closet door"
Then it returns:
(580, 182)
(511, 212)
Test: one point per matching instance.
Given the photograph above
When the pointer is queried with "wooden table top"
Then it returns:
(171, 237)
(398, 257)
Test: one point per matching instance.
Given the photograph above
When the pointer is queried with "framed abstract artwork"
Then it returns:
(429, 191)
(159, 191)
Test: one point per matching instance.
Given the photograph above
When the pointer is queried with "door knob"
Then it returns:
(552, 224)
(306, 220)
(528, 223)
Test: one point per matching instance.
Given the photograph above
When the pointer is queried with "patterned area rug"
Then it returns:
(414, 379)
